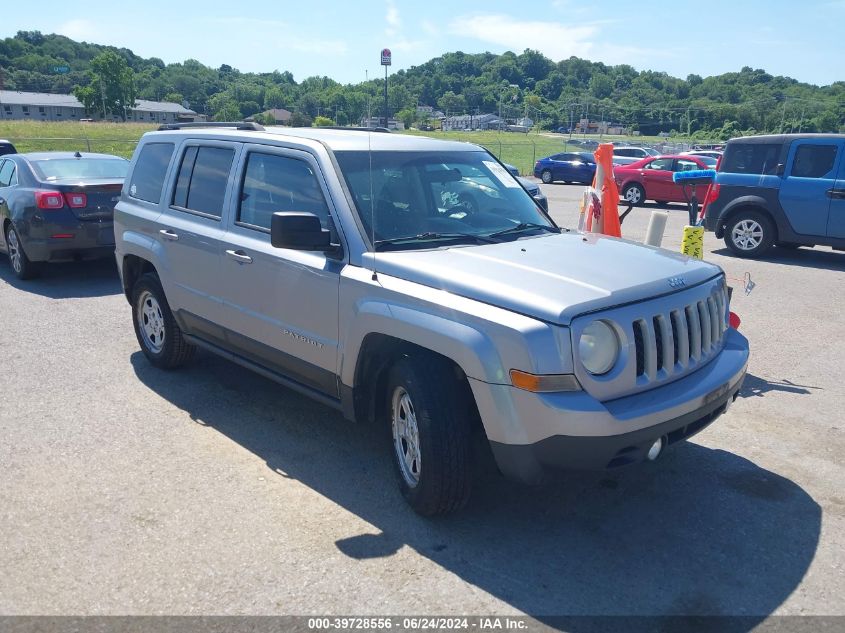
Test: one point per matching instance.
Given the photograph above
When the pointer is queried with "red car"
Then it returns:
(651, 179)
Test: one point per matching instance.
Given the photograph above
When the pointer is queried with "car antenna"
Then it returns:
(372, 203)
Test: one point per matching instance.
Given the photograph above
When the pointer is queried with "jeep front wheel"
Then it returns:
(749, 234)
(430, 434)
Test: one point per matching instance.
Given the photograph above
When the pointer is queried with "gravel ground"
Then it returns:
(211, 490)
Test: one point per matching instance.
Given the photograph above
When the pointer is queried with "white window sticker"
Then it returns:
(502, 174)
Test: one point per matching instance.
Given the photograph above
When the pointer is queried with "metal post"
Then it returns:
(386, 119)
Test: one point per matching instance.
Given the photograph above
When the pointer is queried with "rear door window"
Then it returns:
(751, 158)
(813, 161)
(147, 177)
(685, 165)
(202, 180)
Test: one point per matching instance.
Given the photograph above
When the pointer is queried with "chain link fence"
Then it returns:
(118, 147)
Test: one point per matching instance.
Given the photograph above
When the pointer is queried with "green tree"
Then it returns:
(323, 121)
(174, 97)
(300, 119)
(114, 82)
(87, 97)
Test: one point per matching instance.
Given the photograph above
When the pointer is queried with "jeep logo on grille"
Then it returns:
(677, 282)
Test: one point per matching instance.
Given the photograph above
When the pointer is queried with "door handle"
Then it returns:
(836, 194)
(240, 257)
(169, 235)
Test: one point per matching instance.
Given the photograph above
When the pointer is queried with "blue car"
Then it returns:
(781, 190)
(568, 167)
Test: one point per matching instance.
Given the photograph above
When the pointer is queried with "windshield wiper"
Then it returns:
(525, 226)
(432, 237)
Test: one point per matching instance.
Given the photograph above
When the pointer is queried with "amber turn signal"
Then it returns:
(544, 383)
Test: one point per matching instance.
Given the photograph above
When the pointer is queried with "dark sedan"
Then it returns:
(568, 166)
(58, 206)
(6, 147)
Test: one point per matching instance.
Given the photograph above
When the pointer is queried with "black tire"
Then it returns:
(442, 423)
(546, 176)
(21, 265)
(749, 234)
(634, 194)
(166, 350)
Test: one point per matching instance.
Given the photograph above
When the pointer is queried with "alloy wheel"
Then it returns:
(747, 235)
(150, 321)
(406, 438)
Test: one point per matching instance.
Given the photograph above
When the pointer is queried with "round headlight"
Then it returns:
(598, 347)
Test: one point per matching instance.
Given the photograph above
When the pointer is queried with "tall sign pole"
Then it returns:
(385, 61)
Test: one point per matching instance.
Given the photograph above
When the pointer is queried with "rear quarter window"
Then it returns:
(752, 158)
(147, 179)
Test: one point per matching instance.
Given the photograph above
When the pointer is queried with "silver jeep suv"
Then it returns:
(351, 266)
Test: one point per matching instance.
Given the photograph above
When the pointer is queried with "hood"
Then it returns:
(553, 277)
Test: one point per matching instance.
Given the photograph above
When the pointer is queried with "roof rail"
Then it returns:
(354, 129)
(238, 125)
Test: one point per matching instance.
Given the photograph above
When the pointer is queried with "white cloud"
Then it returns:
(78, 29)
(394, 22)
(555, 40)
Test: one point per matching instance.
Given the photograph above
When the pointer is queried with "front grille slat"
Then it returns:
(706, 339)
(666, 350)
(715, 334)
(682, 346)
(694, 331)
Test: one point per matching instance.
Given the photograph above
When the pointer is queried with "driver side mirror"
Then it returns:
(780, 169)
(299, 231)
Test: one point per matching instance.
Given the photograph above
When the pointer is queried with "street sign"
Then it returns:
(61, 69)
(385, 57)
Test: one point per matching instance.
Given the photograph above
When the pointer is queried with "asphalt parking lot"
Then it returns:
(211, 490)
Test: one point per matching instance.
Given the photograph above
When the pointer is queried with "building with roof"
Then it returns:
(471, 122)
(42, 106)
(280, 115)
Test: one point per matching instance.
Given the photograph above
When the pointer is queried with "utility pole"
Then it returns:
(386, 58)
(783, 116)
(801, 124)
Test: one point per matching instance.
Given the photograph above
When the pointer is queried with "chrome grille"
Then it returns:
(661, 340)
(674, 342)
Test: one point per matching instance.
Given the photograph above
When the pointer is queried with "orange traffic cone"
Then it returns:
(606, 219)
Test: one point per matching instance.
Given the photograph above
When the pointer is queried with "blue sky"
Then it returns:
(342, 39)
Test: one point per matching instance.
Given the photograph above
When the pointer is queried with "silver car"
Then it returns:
(331, 262)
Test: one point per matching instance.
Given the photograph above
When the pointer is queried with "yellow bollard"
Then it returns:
(692, 243)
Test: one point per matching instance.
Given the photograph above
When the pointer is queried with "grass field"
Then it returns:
(518, 149)
(108, 138)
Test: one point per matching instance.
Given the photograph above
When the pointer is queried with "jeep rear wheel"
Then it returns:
(749, 234)
(157, 332)
(430, 434)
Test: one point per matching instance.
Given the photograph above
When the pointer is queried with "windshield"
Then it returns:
(80, 168)
(414, 198)
(708, 160)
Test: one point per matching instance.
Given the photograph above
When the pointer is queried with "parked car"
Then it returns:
(651, 179)
(57, 206)
(627, 155)
(326, 260)
(6, 147)
(710, 153)
(567, 166)
(786, 190)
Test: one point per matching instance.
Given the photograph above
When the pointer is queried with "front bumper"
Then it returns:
(532, 433)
